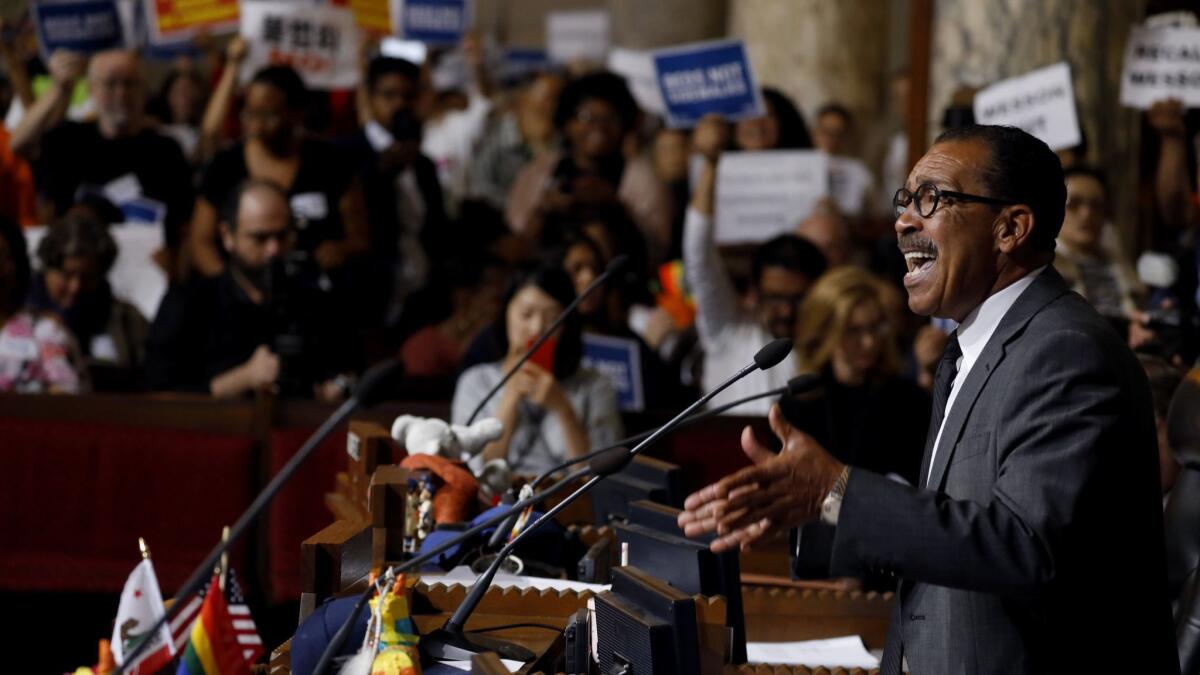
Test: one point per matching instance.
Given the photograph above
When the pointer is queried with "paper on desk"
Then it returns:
(463, 576)
(451, 667)
(844, 652)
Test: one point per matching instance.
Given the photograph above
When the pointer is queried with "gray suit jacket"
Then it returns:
(1037, 545)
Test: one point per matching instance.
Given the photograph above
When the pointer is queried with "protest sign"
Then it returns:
(380, 17)
(1161, 63)
(177, 20)
(620, 361)
(435, 21)
(707, 77)
(409, 50)
(638, 70)
(762, 194)
(574, 35)
(518, 63)
(850, 182)
(320, 42)
(86, 26)
(1041, 102)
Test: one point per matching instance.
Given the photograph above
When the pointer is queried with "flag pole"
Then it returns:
(223, 566)
(143, 548)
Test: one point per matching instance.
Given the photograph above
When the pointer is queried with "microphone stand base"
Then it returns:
(445, 645)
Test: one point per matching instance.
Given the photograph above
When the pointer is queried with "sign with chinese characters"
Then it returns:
(707, 77)
(176, 20)
(320, 42)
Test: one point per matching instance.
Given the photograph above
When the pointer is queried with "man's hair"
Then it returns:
(605, 86)
(229, 210)
(381, 66)
(1023, 169)
(791, 253)
(76, 235)
(288, 82)
(838, 109)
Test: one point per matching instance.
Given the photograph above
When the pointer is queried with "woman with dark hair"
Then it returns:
(782, 128)
(325, 197)
(178, 107)
(552, 408)
(76, 255)
(39, 355)
(594, 115)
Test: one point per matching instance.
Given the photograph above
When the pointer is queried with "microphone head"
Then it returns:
(774, 352)
(802, 383)
(378, 382)
(616, 263)
(610, 461)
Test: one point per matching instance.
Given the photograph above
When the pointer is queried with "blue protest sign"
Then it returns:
(85, 26)
(619, 360)
(521, 62)
(707, 77)
(435, 21)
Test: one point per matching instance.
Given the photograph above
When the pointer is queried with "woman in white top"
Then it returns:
(552, 410)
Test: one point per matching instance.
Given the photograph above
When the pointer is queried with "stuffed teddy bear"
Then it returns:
(431, 436)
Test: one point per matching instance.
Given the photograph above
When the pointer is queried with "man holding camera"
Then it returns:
(247, 330)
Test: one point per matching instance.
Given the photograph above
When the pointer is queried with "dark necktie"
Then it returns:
(943, 379)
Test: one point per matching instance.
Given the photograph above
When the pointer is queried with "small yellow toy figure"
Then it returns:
(397, 636)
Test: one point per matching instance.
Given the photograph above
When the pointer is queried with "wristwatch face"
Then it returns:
(830, 508)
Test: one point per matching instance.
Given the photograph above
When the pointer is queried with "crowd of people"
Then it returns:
(308, 234)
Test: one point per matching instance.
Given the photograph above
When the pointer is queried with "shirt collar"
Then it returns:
(379, 138)
(977, 328)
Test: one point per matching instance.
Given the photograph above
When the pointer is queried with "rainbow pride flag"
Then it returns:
(213, 647)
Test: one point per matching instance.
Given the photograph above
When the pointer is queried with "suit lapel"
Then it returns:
(1046, 287)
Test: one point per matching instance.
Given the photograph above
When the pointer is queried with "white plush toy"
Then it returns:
(431, 436)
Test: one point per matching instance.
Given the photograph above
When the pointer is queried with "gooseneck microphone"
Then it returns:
(373, 387)
(451, 642)
(613, 267)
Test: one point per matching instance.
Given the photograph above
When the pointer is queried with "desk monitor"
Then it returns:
(691, 567)
(631, 640)
(645, 478)
(667, 603)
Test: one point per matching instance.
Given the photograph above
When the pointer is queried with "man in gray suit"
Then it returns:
(1033, 543)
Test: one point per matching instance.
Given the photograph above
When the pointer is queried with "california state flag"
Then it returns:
(141, 607)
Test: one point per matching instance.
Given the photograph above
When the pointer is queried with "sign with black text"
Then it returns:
(320, 42)
(86, 26)
(1161, 63)
(708, 77)
(1041, 102)
(578, 35)
(762, 194)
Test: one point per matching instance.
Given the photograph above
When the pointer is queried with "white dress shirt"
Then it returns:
(973, 335)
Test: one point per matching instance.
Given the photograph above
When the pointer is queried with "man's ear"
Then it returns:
(1014, 228)
(226, 236)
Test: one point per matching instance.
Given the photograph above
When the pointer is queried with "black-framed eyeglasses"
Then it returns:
(927, 197)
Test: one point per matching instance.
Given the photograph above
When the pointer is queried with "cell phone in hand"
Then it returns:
(544, 356)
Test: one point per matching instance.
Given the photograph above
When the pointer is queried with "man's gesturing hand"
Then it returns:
(776, 494)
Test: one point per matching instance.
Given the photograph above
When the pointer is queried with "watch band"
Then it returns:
(831, 506)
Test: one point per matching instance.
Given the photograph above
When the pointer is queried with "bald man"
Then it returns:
(228, 336)
(115, 164)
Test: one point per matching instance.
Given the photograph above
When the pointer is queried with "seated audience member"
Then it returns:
(594, 115)
(466, 296)
(514, 139)
(261, 324)
(782, 128)
(864, 412)
(403, 196)
(550, 414)
(117, 157)
(325, 197)
(39, 355)
(730, 334)
(76, 255)
(1094, 268)
(1164, 379)
(178, 108)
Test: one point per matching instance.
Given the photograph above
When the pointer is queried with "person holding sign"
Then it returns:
(594, 115)
(782, 127)
(552, 408)
(784, 268)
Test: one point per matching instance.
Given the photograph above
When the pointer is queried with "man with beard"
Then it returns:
(254, 327)
(730, 330)
(1033, 542)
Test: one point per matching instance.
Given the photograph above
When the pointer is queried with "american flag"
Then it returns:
(243, 623)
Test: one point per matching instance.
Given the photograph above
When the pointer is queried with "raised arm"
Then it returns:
(217, 110)
(1172, 193)
(50, 109)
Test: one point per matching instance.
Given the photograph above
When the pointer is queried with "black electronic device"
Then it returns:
(631, 640)
(666, 602)
(689, 565)
(655, 516)
(645, 478)
(595, 565)
(578, 644)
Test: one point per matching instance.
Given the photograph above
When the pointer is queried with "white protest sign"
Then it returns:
(762, 194)
(1161, 63)
(850, 182)
(637, 68)
(321, 43)
(582, 34)
(1041, 102)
